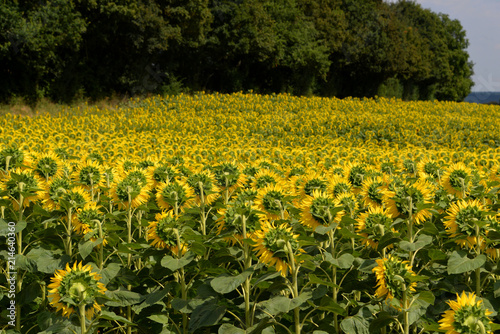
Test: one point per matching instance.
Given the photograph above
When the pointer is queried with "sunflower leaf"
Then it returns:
(459, 262)
(423, 241)
(175, 264)
(112, 316)
(225, 284)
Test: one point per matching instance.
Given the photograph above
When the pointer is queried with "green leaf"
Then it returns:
(281, 304)
(322, 230)
(367, 266)
(423, 241)
(355, 325)
(327, 304)
(175, 264)
(459, 262)
(207, 314)
(230, 329)
(496, 289)
(343, 262)
(387, 239)
(316, 280)
(160, 318)
(383, 319)
(152, 299)
(123, 298)
(112, 316)
(110, 272)
(436, 255)
(85, 248)
(225, 284)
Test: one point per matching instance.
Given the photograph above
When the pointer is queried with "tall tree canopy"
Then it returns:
(65, 49)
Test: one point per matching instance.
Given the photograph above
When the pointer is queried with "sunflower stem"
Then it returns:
(101, 246)
(182, 281)
(248, 263)
(82, 319)
(478, 270)
(331, 235)
(19, 282)
(295, 287)
(405, 311)
(69, 230)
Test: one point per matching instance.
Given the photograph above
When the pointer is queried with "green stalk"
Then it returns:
(129, 256)
(19, 283)
(478, 270)
(331, 235)
(295, 288)
(203, 218)
(101, 246)
(69, 230)
(405, 312)
(83, 325)
(182, 281)
(248, 264)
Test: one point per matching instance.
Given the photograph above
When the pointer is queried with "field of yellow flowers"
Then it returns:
(244, 213)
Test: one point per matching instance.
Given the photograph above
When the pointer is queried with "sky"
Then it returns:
(481, 21)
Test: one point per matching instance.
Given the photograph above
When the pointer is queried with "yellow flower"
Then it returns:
(47, 165)
(407, 197)
(373, 224)
(164, 232)
(320, 209)
(74, 287)
(89, 174)
(372, 191)
(457, 180)
(86, 220)
(204, 186)
(467, 316)
(273, 202)
(174, 194)
(271, 245)
(18, 181)
(131, 188)
(463, 217)
(393, 276)
(265, 177)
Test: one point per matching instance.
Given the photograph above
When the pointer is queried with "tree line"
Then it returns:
(69, 49)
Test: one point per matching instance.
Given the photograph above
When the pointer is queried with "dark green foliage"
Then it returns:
(64, 49)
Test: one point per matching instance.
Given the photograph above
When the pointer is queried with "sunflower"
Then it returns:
(174, 194)
(350, 203)
(164, 233)
(231, 220)
(311, 182)
(463, 218)
(74, 287)
(429, 168)
(18, 181)
(265, 177)
(229, 176)
(89, 174)
(338, 184)
(271, 245)
(393, 275)
(54, 189)
(162, 173)
(409, 198)
(131, 189)
(373, 224)
(13, 157)
(87, 220)
(204, 186)
(47, 165)
(355, 174)
(273, 202)
(467, 316)
(457, 179)
(74, 197)
(319, 209)
(409, 166)
(372, 191)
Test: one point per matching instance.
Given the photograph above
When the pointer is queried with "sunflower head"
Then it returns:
(54, 190)
(13, 157)
(89, 174)
(273, 245)
(164, 233)
(467, 316)
(47, 165)
(409, 198)
(338, 185)
(204, 186)
(313, 182)
(273, 202)
(320, 209)
(87, 221)
(465, 218)
(76, 286)
(372, 191)
(229, 176)
(393, 277)
(457, 180)
(175, 194)
(373, 224)
(23, 182)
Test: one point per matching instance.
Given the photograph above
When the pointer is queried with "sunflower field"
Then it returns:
(246, 213)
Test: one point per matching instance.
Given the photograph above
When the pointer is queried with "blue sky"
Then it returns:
(481, 21)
